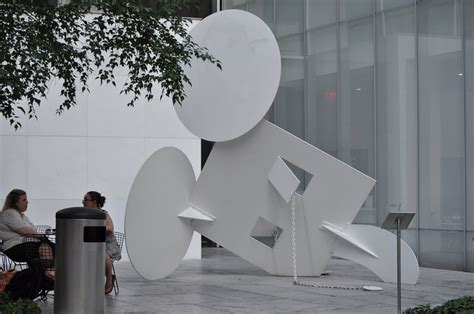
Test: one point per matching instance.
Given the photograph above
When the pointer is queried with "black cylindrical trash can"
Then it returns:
(80, 256)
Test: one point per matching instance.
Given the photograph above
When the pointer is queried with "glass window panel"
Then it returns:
(289, 101)
(355, 9)
(356, 104)
(264, 10)
(199, 8)
(234, 4)
(191, 8)
(386, 5)
(396, 113)
(410, 236)
(320, 13)
(469, 251)
(441, 116)
(321, 100)
(441, 249)
(323, 41)
(289, 17)
(291, 45)
(469, 85)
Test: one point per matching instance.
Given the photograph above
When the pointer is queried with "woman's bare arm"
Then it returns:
(26, 232)
(109, 224)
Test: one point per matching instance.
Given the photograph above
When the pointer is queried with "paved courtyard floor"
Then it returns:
(224, 283)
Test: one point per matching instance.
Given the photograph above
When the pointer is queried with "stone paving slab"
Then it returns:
(224, 283)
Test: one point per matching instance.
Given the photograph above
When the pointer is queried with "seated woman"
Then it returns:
(94, 199)
(16, 228)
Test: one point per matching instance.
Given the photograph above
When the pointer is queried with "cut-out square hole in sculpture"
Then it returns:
(266, 232)
(304, 176)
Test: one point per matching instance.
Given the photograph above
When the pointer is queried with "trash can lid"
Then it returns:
(80, 213)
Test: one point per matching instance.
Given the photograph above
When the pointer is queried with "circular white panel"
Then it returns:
(223, 105)
(156, 238)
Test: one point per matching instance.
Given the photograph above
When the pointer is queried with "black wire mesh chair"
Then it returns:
(42, 228)
(39, 255)
(7, 263)
(23, 264)
(120, 239)
(48, 231)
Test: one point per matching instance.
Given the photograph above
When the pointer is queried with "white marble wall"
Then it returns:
(98, 145)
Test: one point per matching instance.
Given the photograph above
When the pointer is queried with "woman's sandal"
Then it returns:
(109, 290)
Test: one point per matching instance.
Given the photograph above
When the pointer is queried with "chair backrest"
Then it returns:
(42, 228)
(120, 237)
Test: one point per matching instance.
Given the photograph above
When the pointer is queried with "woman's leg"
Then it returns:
(16, 253)
(23, 252)
(108, 274)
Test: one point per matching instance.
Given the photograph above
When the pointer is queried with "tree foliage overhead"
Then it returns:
(40, 42)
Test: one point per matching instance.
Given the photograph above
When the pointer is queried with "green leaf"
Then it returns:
(44, 43)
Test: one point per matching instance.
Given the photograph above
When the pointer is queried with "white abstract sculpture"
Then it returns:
(241, 199)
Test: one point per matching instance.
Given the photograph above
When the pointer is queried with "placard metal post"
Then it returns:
(399, 221)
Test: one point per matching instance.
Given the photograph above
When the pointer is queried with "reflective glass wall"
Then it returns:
(387, 87)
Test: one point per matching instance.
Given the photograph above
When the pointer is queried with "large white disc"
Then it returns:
(223, 105)
(156, 238)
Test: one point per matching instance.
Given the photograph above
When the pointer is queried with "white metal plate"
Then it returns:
(234, 187)
(156, 237)
(384, 244)
(222, 105)
(283, 179)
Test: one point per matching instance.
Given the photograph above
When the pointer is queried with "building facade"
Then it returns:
(387, 87)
